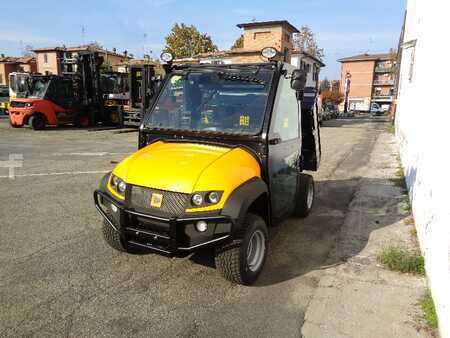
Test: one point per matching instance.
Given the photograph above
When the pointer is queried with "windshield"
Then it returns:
(39, 87)
(114, 83)
(229, 101)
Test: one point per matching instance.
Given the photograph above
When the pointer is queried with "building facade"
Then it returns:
(421, 128)
(49, 60)
(25, 64)
(371, 79)
(310, 64)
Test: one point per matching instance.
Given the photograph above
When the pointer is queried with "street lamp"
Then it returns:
(348, 81)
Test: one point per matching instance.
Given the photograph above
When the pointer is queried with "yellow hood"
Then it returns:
(188, 167)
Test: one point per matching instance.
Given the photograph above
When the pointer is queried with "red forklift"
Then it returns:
(75, 97)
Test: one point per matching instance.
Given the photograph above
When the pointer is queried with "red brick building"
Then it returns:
(372, 78)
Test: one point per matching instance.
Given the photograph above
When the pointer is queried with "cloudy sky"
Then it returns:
(342, 27)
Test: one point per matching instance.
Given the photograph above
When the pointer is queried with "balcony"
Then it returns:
(383, 82)
(379, 69)
(382, 97)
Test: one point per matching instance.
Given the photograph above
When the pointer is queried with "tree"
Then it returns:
(239, 43)
(305, 41)
(325, 85)
(28, 51)
(186, 41)
(332, 97)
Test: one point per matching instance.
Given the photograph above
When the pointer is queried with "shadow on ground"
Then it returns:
(298, 246)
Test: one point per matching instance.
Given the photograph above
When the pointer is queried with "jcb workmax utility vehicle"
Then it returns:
(221, 154)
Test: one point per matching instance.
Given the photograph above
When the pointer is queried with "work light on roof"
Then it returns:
(166, 57)
(269, 52)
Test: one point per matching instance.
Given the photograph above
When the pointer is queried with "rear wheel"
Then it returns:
(37, 122)
(305, 195)
(242, 260)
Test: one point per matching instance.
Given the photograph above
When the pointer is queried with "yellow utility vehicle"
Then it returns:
(221, 153)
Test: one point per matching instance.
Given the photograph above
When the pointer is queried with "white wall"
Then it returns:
(423, 134)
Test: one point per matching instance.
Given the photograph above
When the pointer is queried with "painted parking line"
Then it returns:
(60, 173)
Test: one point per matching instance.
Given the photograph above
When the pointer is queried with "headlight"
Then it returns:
(197, 199)
(205, 198)
(213, 197)
(118, 185)
(28, 104)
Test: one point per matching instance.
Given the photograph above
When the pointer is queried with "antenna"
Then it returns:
(83, 33)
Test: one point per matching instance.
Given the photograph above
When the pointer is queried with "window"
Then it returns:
(411, 63)
(286, 54)
(232, 102)
(261, 35)
(285, 123)
(45, 58)
(287, 37)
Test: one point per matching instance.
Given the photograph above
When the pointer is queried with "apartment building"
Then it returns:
(10, 64)
(371, 79)
(49, 60)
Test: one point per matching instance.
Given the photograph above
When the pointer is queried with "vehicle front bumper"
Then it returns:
(164, 235)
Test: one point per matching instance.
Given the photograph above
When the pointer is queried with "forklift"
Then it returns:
(223, 151)
(75, 97)
(144, 85)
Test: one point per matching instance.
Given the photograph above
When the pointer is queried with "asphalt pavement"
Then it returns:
(59, 278)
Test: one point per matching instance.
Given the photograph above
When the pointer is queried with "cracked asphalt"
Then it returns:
(59, 278)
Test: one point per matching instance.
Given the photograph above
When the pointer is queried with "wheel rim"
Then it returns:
(256, 250)
(310, 197)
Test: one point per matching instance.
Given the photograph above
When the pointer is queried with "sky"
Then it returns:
(342, 27)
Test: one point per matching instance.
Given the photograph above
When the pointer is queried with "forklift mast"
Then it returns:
(85, 73)
(143, 87)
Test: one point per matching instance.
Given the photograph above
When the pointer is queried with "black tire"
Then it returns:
(37, 122)
(112, 237)
(305, 201)
(231, 259)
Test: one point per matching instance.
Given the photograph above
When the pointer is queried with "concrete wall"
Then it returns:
(422, 122)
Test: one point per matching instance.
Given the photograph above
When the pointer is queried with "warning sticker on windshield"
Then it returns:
(244, 120)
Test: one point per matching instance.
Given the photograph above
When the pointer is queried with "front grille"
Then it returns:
(173, 203)
(17, 104)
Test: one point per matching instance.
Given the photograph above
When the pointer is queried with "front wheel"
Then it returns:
(242, 260)
(37, 122)
(305, 195)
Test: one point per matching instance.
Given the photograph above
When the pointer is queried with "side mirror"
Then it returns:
(298, 79)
